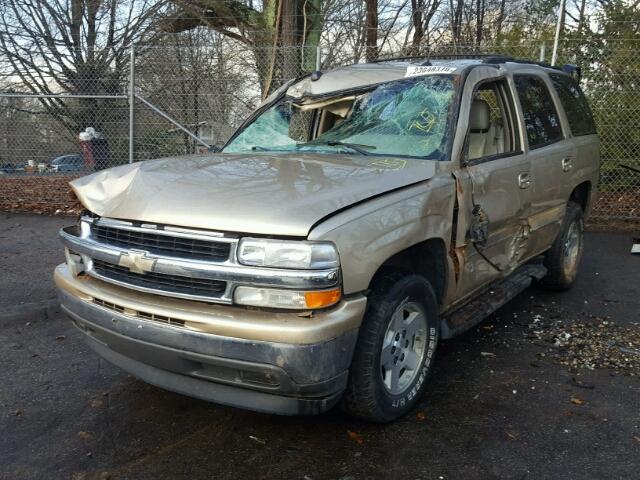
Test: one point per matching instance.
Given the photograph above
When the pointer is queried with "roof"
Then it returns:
(365, 74)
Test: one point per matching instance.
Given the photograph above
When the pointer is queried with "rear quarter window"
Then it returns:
(541, 119)
(575, 105)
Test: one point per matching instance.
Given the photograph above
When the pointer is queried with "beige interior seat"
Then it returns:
(485, 137)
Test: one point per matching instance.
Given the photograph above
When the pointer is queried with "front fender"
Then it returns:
(370, 233)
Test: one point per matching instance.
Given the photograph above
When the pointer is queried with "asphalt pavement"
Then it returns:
(498, 405)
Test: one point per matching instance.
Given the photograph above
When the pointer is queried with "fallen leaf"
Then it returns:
(356, 437)
(637, 439)
(95, 403)
(84, 435)
(581, 384)
(577, 401)
(17, 413)
(60, 337)
(512, 435)
(487, 354)
(258, 440)
(421, 416)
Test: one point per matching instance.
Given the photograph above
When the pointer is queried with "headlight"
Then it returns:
(287, 254)
(279, 298)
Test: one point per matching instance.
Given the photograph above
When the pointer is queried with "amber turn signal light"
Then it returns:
(323, 298)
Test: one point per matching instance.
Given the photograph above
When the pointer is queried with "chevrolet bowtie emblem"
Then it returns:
(136, 261)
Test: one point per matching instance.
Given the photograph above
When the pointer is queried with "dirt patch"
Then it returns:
(589, 344)
(620, 208)
(48, 194)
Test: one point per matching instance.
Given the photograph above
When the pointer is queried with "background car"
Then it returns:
(67, 163)
(6, 168)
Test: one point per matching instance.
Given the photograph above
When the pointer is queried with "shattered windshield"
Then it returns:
(407, 117)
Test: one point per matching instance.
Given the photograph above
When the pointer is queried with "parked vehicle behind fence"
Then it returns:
(360, 216)
(67, 163)
(6, 168)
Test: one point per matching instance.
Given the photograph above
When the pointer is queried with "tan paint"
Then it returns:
(371, 233)
(270, 194)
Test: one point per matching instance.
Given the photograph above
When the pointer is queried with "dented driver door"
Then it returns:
(494, 185)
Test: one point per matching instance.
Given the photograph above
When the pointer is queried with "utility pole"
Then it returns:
(554, 55)
(132, 103)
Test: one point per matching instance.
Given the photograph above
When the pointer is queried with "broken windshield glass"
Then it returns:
(406, 117)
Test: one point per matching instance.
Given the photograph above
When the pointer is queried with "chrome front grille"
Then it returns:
(142, 257)
(190, 286)
(162, 242)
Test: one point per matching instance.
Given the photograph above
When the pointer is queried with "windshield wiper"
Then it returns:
(258, 148)
(357, 147)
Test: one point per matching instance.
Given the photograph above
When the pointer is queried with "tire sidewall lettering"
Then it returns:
(400, 402)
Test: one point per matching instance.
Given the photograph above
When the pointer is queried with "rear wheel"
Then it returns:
(563, 258)
(395, 351)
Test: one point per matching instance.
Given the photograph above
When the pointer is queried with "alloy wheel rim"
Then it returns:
(403, 347)
(571, 250)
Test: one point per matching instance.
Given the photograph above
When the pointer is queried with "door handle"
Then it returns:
(567, 164)
(524, 180)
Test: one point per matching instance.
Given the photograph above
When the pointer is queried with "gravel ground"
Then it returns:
(590, 343)
(506, 400)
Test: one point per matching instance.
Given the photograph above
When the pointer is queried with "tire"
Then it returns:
(394, 356)
(563, 258)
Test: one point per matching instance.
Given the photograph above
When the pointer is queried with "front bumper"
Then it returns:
(281, 363)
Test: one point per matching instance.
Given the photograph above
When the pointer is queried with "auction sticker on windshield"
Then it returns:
(415, 70)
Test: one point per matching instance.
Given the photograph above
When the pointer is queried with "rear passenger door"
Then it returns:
(550, 154)
(583, 132)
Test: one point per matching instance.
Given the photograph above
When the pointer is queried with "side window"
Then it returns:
(540, 116)
(574, 104)
(491, 128)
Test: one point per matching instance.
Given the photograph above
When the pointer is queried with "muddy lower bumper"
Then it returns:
(264, 374)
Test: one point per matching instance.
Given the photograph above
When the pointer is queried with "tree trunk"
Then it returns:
(500, 20)
(371, 25)
(277, 34)
(418, 31)
(456, 20)
(479, 21)
(312, 32)
(581, 17)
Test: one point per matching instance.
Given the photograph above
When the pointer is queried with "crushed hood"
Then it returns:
(283, 194)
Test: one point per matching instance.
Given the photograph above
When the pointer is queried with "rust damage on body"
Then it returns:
(456, 251)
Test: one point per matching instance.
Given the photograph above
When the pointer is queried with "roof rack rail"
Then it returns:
(436, 56)
(523, 61)
(494, 59)
(487, 58)
(400, 59)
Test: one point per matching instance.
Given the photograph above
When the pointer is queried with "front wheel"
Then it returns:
(395, 351)
(563, 258)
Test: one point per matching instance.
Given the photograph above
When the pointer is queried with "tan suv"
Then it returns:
(358, 217)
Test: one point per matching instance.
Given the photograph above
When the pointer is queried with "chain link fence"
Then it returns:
(186, 97)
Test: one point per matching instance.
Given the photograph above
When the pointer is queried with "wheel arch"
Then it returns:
(581, 195)
(427, 258)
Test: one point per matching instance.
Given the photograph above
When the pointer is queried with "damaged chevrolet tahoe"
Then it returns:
(358, 217)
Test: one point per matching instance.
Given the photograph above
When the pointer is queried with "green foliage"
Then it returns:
(610, 59)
